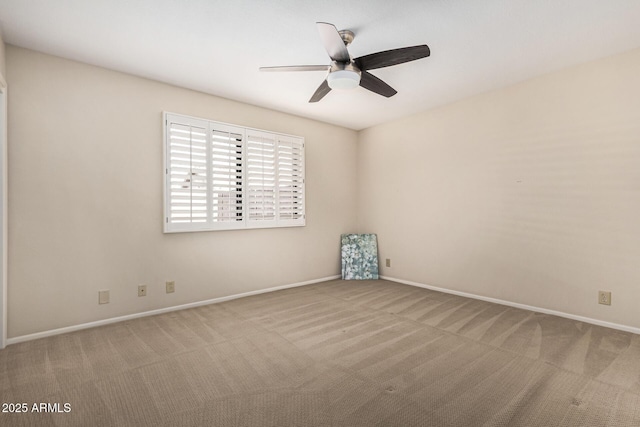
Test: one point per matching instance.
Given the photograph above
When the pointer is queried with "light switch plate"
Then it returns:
(171, 287)
(103, 297)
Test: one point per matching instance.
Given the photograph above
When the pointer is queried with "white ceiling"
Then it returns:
(217, 46)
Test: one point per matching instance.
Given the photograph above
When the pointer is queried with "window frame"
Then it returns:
(284, 170)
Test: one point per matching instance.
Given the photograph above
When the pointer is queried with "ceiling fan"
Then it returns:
(348, 73)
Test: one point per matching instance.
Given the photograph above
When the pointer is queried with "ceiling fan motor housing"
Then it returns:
(347, 36)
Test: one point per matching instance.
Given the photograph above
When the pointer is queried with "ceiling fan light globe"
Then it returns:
(343, 79)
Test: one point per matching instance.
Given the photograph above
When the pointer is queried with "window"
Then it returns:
(222, 177)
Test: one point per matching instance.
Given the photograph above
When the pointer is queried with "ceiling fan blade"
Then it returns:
(322, 90)
(297, 68)
(332, 42)
(392, 57)
(374, 84)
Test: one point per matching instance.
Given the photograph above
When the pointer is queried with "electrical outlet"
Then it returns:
(103, 297)
(142, 290)
(388, 263)
(171, 287)
(604, 297)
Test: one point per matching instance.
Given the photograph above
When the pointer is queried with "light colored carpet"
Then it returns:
(357, 353)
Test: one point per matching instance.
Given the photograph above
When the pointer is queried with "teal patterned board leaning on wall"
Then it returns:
(359, 256)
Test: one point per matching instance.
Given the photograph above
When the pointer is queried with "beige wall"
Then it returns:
(529, 194)
(85, 199)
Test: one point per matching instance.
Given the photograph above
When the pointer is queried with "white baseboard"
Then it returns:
(103, 322)
(517, 305)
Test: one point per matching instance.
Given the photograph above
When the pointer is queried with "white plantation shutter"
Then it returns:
(187, 173)
(221, 177)
(261, 176)
(290, 172)
(227, 174)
